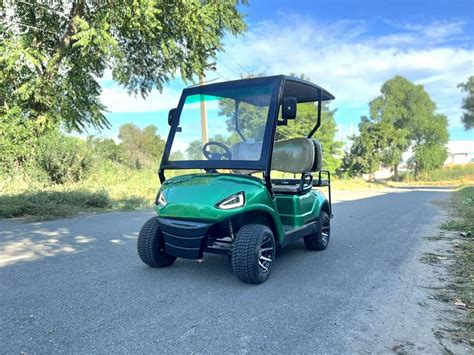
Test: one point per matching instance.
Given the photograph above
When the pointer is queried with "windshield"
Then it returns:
(223, 125)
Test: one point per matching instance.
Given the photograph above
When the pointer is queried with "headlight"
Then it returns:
(161, 201)
(233, 201)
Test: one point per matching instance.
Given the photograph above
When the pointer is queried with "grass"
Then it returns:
(458, 175)
(107, 188)
(462, 223)
(355, 184)
(111, 187)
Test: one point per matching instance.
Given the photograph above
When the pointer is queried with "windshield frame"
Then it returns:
(267, 145)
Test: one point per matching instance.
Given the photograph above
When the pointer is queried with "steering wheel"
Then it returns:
(216, 156)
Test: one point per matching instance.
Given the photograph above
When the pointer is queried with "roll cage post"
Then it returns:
(318, 122)
(237, 105)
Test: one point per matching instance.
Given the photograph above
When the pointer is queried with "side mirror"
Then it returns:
(171, 115)
(288, 108)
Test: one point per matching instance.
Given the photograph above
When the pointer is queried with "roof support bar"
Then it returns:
(318, 122)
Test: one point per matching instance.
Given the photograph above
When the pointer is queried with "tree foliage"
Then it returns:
(194, 150)
(106, 149)
(53, 52)
(140, 147)
(402, 117)
(468, 103)
(364, 156)
(62, 158)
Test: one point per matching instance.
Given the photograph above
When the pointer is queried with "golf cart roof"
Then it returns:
(302, 90)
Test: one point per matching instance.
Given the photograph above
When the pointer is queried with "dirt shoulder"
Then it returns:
(456, 259)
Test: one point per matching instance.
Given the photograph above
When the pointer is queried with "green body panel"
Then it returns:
(194, 197)
(298, 210)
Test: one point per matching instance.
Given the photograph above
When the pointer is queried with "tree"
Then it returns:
(402, 117)
(177, 155)
(52, 53)
(429, 145)
(194, 150)
(106, 148)
(252, 118)
(364, 155)
(63, 158)
(468, 103)
(141, 147)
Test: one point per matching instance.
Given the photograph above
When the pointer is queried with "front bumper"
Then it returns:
(184, 239)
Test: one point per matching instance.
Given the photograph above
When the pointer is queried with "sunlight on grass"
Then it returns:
(114, 187)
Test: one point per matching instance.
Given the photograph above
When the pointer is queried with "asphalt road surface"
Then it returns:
(77, 286)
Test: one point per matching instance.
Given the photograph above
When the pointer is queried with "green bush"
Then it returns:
(63, 158)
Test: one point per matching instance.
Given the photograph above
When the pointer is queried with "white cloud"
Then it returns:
(117, 99)
(351, 62)
(438, 30)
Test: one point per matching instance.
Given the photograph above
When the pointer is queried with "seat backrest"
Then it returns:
(297, 155)
(318, 156)
(294, 155)
(246, 151)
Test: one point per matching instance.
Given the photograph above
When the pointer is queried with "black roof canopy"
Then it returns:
(302, 90)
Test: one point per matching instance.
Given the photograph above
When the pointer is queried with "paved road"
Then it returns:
(77, 285)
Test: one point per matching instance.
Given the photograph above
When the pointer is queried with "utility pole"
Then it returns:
(202, 81)
(204, 137)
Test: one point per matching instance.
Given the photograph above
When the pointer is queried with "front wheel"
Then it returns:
(151, 245)
(320, 239)
(253, 253)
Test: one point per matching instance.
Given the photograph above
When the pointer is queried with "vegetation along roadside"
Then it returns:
(459, 228)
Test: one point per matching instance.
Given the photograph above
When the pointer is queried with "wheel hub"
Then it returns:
(265, 254)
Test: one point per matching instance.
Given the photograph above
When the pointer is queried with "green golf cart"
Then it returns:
(225, 133)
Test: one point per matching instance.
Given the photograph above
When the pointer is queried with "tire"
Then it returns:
(252, 243)
(151, 245)
(320, 239)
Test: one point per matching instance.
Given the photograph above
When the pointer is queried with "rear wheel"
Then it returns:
(320, 239)
(253, 253)
(151, 245)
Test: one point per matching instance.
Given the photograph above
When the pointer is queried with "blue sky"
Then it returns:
(348, 47)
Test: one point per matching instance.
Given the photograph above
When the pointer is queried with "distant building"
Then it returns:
(382, 173)
(460, 152)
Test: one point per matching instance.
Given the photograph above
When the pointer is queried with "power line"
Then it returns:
(238, 64)
(207, 81)
(225, 65)
(222, 76)
(210, 81)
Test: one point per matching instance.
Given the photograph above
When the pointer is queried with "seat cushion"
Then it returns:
(292, 188)
(285, 189)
